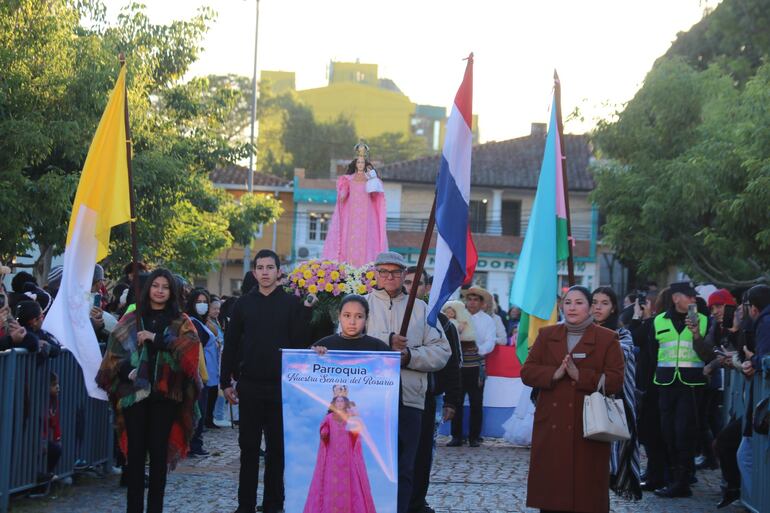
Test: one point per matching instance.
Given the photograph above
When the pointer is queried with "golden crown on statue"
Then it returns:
(362, 150)
(340, 390)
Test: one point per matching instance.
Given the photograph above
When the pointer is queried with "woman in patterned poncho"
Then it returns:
(150, 372)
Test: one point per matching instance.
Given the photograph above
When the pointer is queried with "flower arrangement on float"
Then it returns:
(330, 281)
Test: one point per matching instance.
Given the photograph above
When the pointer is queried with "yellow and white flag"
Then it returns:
(101, 202)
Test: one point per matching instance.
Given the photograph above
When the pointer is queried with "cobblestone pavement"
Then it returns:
(488, 479)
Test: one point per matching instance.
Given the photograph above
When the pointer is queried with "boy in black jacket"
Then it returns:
(262, 322)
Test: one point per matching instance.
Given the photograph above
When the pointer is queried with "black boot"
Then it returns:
(728, 497)
(679, 487)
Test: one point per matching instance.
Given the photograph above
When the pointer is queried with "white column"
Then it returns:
(393, 204)
(494, 213)
(499, 282)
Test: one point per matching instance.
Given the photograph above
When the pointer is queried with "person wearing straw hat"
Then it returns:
(476, 298)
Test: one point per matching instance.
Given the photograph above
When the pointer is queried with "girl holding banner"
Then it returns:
(340, 481)
(354, 310)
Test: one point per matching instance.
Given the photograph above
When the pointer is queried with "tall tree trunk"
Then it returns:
(42, 265)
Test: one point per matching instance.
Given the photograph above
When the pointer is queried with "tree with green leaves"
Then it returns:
(290, 137)
(394, 147)
(246, 216)
(734, 36)
(57, 74)
(684, 178)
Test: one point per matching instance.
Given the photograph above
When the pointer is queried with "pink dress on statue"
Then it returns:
(340, 483)
(357, 232)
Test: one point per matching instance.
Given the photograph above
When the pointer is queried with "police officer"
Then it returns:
(679, 371)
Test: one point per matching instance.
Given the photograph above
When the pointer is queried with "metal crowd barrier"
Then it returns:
(758, 501)
(735, 397)
(86, 426)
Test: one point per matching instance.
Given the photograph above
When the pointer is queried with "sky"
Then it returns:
(602, 49)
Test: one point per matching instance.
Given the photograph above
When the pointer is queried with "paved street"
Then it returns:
(489, 479)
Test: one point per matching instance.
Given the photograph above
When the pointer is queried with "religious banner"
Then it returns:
(340, 423)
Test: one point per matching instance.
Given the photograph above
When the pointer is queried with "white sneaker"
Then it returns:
(221, 423)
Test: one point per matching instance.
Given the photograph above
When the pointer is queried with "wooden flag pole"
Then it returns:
(420, 266)
(131, 199)
(560, 126)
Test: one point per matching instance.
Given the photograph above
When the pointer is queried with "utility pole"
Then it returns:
(252, 163)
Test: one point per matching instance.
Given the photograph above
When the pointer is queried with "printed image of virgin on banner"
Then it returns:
(340, 426)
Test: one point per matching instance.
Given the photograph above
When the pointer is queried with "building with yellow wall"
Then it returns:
(374, 105)
(280, 81)
(372, 110)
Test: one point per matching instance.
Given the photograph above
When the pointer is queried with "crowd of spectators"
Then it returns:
(23, 308)
(680, 346)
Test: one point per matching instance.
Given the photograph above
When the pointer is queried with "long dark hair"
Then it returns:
(172, 305)
(352, 166)
(612, 321)
(192, 298)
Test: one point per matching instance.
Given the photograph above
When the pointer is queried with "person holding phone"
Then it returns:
(678, 373)
(30, 315)
(648, 419)
(722, 328)
(757, 302)
(721, 333)
(12, 334)
(102, 322)
(723, 339)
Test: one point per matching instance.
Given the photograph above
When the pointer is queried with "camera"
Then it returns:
(641, 297)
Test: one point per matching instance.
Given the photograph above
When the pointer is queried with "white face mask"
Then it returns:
(201, 308)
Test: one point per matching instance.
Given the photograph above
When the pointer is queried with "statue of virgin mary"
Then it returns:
(357, 231)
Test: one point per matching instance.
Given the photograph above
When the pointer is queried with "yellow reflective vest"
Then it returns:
(677, 359)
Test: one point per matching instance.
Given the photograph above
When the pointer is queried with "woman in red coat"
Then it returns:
(566, 471)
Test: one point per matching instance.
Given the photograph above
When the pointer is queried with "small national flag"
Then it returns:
(456, 255)
(101, 202)
(535, 285)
